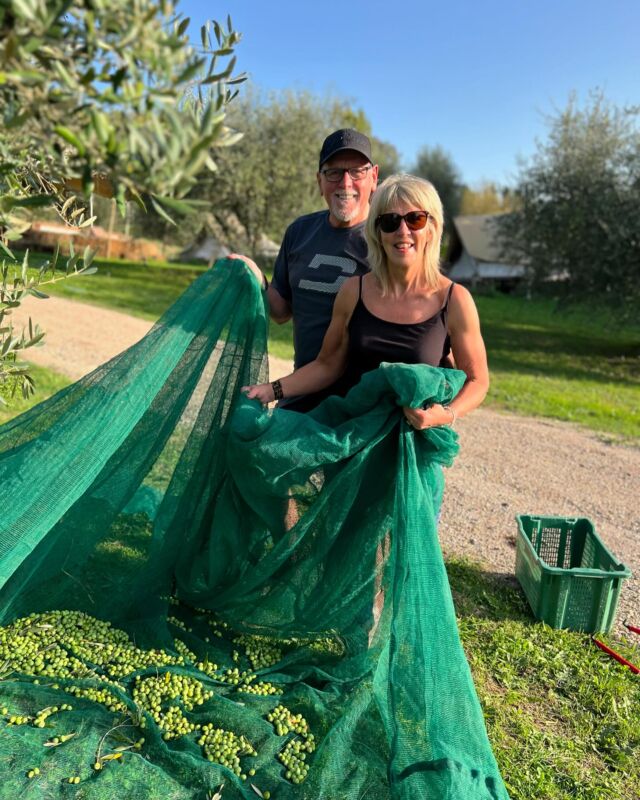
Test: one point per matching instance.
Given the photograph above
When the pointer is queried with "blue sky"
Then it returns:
(474, 77)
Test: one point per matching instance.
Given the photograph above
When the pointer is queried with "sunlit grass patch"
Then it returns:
(562, 717)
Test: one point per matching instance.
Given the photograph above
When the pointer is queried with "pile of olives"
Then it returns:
(103, 696)
(60, 644)
(153, 693)
(293, 755)
(184, 652)
(41, 718)
(261, 651)
(209, 668)
(178, 623)
(235, 677)
(263, 688)
(328, 645)
(225, 748)
(97, 662)
(285, 721)
(17, 719)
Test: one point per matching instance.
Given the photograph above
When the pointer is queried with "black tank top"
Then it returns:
(373, 340)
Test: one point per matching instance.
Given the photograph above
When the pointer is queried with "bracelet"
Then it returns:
(278, 394)
(454, 416)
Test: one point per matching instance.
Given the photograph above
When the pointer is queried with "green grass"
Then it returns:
(47, 383)
(280, 340)
(561, 715)
(143, 289)
(577, 366)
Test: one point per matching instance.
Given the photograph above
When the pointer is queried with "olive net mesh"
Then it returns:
(201, 597)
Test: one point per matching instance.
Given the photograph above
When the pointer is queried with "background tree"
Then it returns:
(92, 99)
(269, 177)
(486, 199)
(437, 166)
(578, 216)
(384, 154)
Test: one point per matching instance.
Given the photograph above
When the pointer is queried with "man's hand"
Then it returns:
(279, 308)
(260, 391)
(252, 266)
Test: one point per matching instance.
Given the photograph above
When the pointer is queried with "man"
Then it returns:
(321, 250)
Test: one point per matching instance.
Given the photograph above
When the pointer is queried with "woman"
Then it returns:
(404, 310)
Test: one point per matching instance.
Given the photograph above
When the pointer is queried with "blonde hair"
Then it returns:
(413, 191)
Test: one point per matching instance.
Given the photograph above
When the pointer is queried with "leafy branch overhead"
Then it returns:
(107, 96)
(100, 96)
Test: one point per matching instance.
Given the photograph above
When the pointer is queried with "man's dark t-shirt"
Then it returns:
(315, 259)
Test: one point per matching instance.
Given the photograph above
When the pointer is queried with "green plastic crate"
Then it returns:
(569, 577)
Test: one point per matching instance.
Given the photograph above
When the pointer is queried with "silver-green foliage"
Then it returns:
(95, 92)
(577, 217)
(16, 283)
(106, 96)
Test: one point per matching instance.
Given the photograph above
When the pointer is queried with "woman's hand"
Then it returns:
(422, 418)
(260, 391)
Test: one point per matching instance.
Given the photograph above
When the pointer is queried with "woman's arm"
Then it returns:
(331, 360)
(467, 347)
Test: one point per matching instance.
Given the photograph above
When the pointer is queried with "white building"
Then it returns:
(475, 255)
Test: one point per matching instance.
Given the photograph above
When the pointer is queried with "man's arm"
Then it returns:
(279, 308)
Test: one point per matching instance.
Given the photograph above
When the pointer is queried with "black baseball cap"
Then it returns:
(345, 139)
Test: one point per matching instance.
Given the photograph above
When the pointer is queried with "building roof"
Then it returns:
(475, 252)
(478, 235)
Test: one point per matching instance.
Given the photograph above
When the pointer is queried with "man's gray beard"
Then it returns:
(343, 216)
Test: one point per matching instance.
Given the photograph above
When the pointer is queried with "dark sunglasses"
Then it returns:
(416, 220)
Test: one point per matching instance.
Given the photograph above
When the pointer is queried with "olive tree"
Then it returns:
(269, 178)
(577, 218)
(105, 96)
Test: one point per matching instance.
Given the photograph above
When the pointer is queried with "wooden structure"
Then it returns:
(45, 236)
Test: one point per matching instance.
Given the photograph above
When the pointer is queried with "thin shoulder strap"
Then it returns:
(445, 307)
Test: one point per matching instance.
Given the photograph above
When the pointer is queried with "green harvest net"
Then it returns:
(197, 592)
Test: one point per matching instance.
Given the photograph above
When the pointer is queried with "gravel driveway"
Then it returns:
(507, 465)
(512, 465)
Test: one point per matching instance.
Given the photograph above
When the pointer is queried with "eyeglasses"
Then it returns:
(416, 220)
(334, 174)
